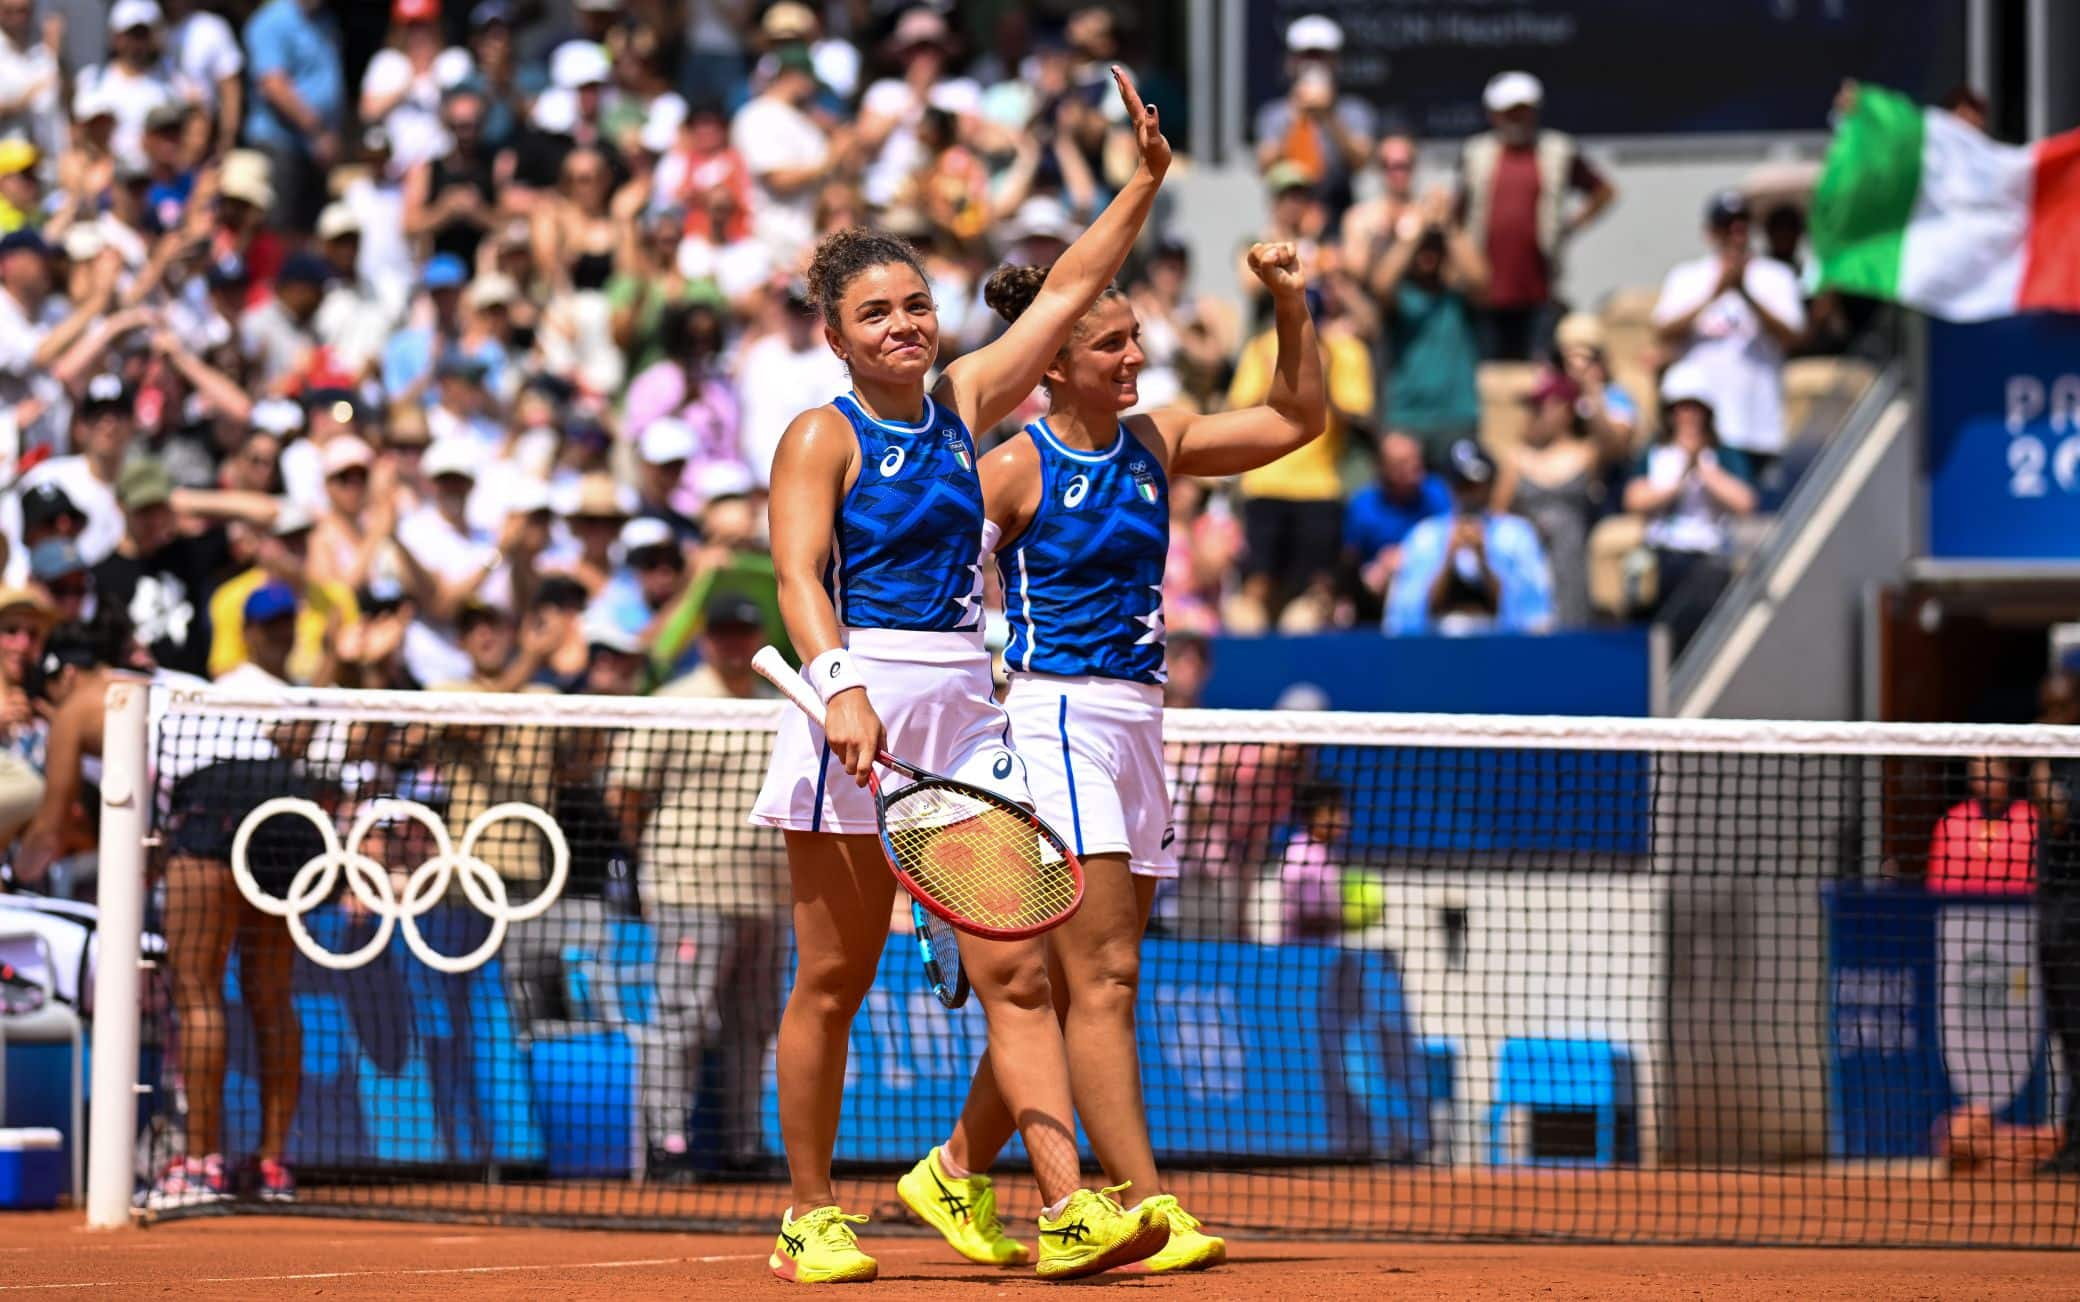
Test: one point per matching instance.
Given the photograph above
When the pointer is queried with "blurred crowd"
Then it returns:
(458, 357)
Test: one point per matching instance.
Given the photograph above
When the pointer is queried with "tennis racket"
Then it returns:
(939, 946)
(988, 866)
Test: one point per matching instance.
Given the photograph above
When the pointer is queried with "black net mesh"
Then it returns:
(530, 966)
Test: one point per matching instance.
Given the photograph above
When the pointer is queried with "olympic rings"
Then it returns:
(425, 887)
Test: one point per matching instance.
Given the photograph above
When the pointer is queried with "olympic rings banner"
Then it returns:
(423, 887)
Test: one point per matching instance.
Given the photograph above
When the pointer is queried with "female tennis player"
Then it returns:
(1082, 503)
(877, 527)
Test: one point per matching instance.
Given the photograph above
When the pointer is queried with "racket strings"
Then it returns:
(985, 864)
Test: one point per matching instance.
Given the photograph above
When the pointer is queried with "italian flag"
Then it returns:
(1916, 207)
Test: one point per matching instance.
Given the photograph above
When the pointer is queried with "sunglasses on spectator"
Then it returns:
(351, 475)
(651, 558)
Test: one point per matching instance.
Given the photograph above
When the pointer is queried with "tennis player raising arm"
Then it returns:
(1082, 500)
(877, 526)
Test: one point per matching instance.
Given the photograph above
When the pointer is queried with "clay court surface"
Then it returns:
(50, 1255)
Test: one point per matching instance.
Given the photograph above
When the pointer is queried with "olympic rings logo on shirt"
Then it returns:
(423, 888)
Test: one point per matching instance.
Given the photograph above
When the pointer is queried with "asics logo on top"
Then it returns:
(792, 1242)
(891, 461)
(1075, 1232)
(1073, 496)
(956, 1205)
(1002, 768)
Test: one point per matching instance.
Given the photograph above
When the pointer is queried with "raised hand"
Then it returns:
(1278, 267)
(1148, 132)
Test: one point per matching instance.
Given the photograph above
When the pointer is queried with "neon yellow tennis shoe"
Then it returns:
(963, 1210)
(821, 1248)
(1190, 1247)
(1095, 1233)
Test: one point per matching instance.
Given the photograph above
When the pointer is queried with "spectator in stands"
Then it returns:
(788, 153)
(203, 48)
(160, 577)
(716, 892)
(1555, 478)
(780, 371)
(1429, 285)
(1475, 570)
(1609, 414)
(107, 427)
(1327, 135)
(1729, 318)
(279, 336)
(136, 79)
(1370, 228)
(56, 570)
(1515, 180)
(1188, 340)
(665, 448)
(1205, 543)
(1383, 512)
(26, 618)
(1310, 876)
(651, 582)
(31, 105)
(1297, 217)
(1290, 511)
(1987, 842)
(687, 386)
(1691, 488)
(2055, 791)
(282, 565)
(294, 63)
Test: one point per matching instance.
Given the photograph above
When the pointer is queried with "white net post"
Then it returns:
(125, 817)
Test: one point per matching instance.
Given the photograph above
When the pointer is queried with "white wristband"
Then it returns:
(833, 672)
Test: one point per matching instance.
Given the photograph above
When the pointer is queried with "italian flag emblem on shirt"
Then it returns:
(961, 455)
(1147, 491)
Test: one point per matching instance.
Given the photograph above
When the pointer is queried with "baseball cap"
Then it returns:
(794, 58)
(291, 520)
(45, 503)
(1580, 330)
(644, 532)
(1287, 175)
(790, 20)
(596, 495)
(444, 271)
(126, 14)
(23, 241)
(336, 220)
(17, 155)
(346, 452)
(415, 11)
(268, 602)
(280, 417)
(1508, 90)
(601, 631)
(525, 496)
(304, 269)
(143, 484)
(665, 441)
(1040, 217)
(227, 271)
(451, 456)
(1724, 208)
(1466, 463)
(91, 101)
(1684, 383)
(733, 610)
(493, 289)
(579, 63)
(165, 116)
(920, 27)
(458, 365)
(1553, 383)
(1314, 32)
(105, 390)
(28, 599)
(54, 559)
(716, 480)
(490, 12)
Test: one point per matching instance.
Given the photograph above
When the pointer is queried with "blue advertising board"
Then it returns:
(1934, 1003)
(1605, 671)
(2004, 439)
(1293, 1052)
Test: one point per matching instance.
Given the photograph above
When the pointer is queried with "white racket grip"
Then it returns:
(773, 667)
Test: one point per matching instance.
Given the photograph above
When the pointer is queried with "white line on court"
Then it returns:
(402, 1271)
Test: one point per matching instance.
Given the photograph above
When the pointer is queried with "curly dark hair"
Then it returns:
(1010, 290)
(842, 256)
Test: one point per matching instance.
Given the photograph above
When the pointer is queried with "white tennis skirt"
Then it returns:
(933, 693)
(1093, 749)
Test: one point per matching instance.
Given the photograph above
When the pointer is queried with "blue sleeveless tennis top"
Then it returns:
(907, 551)
(1083, 583)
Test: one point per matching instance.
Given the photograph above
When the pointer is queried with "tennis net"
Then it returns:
(522, 958)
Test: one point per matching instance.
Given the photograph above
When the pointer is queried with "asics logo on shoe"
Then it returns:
(793, 1243)
(1076, 1232)
(955, 1204)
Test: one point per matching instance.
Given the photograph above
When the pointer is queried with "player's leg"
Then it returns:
(266, 964)
(843, 892)
(201, 912)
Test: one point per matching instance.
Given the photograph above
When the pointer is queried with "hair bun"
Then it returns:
(1011, 290)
